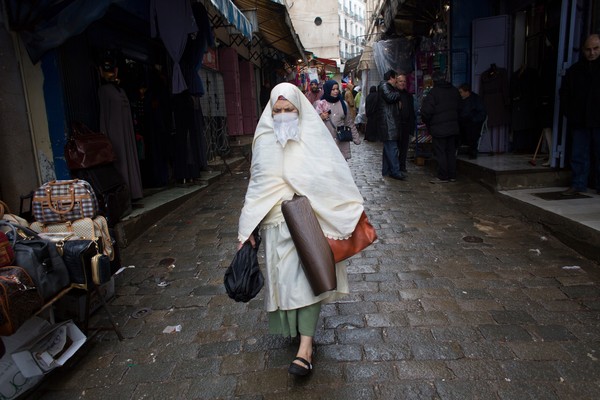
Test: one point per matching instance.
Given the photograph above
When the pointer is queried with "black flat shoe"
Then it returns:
(298, 370)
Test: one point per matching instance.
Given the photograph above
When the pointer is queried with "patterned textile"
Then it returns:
(60, 201)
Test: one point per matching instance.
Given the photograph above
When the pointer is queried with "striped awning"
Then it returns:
(234, 16)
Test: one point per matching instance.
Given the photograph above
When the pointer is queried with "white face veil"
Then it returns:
(313, 166)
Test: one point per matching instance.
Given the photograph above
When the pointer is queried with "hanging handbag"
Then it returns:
(363, 236)
(311, 244)
(100, 266)
(86, 148)
(243, 279)
(342, 133)
(77, 255)
(19, 299)
(40, 259)
(60, 201)
(84, 228)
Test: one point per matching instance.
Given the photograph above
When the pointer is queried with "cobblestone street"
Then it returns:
(460, 298)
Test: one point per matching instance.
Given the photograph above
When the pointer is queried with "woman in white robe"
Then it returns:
(294, 153)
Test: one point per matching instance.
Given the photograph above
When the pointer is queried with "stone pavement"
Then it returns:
(459, 299)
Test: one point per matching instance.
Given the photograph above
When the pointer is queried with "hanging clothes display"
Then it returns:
(187, 149)
(173, 20)
(494, 91)
(150, 123)
(523, 96)
(116, 122)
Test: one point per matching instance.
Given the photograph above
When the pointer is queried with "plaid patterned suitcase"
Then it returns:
(64, 200)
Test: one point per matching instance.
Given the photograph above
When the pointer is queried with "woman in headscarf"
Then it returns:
(293, 153)
(339, 115)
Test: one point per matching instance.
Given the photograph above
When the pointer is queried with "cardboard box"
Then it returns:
(49, 350)
(12, 382)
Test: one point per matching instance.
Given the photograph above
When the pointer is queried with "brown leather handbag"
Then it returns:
(19, 299)
(363, 236)
(311, 244)
(86, 148)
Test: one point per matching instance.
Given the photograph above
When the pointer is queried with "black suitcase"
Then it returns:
(111, 190)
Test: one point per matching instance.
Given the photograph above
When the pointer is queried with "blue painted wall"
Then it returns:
(55, 110)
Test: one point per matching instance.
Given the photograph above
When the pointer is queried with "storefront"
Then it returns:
(523, 39)
(219, 94)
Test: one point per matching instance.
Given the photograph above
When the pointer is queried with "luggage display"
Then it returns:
(39, 258)
(66, 200)
(77, 255)
(85, 228)
(19, 299)
(111, 191)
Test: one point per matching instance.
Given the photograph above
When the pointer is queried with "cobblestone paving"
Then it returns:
(460, 298)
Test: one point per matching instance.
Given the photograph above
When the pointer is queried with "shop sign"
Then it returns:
(210, 59)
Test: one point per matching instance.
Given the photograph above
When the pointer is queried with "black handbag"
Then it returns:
(40, 259)
(344, 134)
(243, 279)
(77, 255)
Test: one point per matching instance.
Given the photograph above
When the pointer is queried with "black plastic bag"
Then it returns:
(243, 279)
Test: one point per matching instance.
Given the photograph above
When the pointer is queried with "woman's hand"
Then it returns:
(324, 116)
(250, 239)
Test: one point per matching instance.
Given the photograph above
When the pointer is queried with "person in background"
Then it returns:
(389, 125)
(265, 90)
(293, 153)
(359, 121)
(371, 111)
(471, 119)
(440, 110)
(407, 120)
(579, 98)
(338, 115)
(349, 98)
(314, 93)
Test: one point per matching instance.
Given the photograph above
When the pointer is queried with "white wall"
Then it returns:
(322, 40)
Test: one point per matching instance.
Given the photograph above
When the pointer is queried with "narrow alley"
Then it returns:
(460, 298)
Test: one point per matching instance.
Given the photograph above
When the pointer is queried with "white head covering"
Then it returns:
(313, 167)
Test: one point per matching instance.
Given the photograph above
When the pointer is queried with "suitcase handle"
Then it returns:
(51, 206)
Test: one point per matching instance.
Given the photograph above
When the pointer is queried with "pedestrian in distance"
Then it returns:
(349, 99)
(389, 125)
(407, 120)
(294, 153)
(314, 92)
(471, 119)
(440, 110)
(372, 113)
(338, 116)
(579, 99)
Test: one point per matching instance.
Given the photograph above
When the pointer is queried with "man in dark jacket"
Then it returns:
(579, 98)
(439, 111)
(407, 120)
(472, 116)
(389, 124)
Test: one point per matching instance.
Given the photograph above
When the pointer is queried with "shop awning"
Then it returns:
(351, 64)
(46, 24)
(275, 26)
(234, 16)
